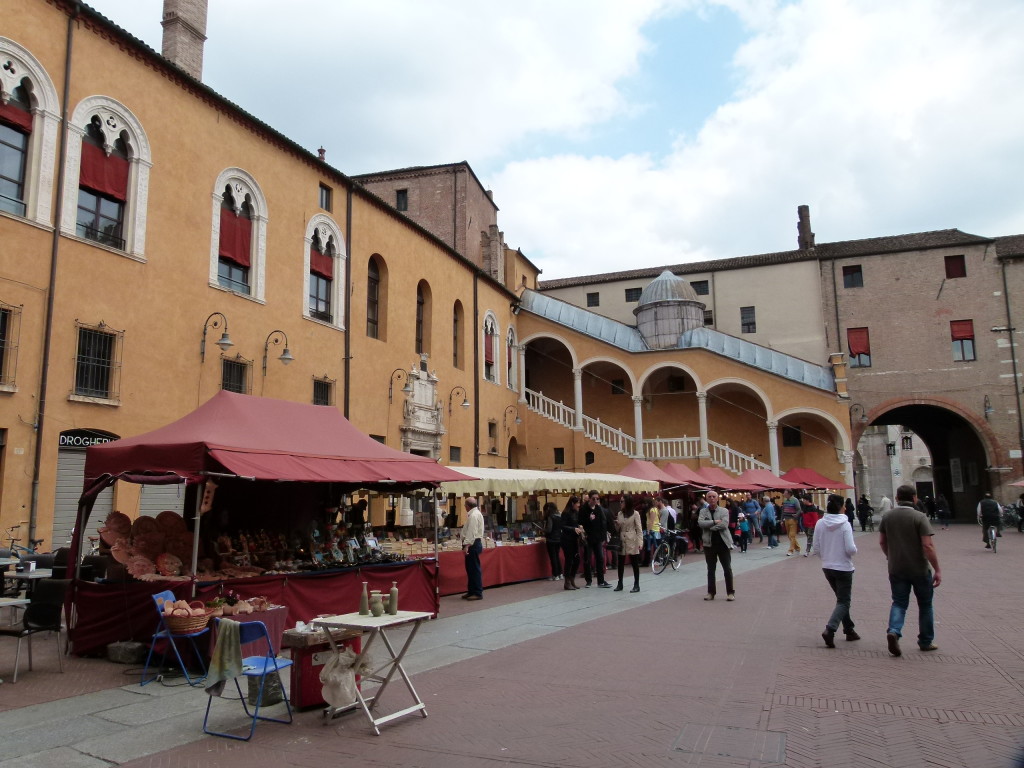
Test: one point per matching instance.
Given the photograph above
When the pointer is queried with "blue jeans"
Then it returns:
(923, 591)
(474, 573)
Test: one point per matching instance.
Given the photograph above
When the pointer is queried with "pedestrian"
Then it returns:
(884, 506)
(653, 531)
(595, 526)
(714, 525)
(989, 514)
(833, 543)
(850, 510)
(473, 545)
(572, 535)
(809, 517)
(696, 537)
(631, 536)
(864, 510)
(942, 511)
(553, 539)
(752, 509)
(905, 536)
(744, 526)
(769, 522)
(790, 515)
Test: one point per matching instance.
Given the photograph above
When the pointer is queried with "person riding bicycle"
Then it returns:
(989, 513)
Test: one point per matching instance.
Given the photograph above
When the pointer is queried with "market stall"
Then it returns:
(272, 468)
(505, 560)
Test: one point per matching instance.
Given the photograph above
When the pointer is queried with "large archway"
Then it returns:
(960, 450)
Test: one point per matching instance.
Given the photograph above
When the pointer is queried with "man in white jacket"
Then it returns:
(833, 543)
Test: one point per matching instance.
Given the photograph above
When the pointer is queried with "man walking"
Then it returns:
(594, 520)
(790, 515)
(752, 510)
(833, 543)
(769, 522)
(473, 545)
(905, 536)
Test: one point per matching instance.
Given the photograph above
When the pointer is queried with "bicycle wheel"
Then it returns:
(992, 537)
(661, 558)
(676, 561)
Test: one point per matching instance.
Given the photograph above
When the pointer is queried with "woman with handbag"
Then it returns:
(553, 538)
(631, 538)
(572, 531)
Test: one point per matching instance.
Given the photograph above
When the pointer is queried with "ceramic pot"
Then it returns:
(393, 599)
(376, 603)
(364, 601)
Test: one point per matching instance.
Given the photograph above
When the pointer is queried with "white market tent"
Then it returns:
(488, 481)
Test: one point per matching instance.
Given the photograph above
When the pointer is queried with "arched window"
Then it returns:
(458, 319)
(325, 271)
(511, 364)
(490, 348)
(238, 249)
(29, 121)
(107, 176)
(423, 313)
(376, 298)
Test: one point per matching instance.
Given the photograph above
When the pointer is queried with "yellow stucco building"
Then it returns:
(158, 244)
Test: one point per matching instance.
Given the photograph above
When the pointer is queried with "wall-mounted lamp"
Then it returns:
(400, 373)
(276, 337)
(508, 410)
(858, 414)
(989, 410)
(224, 342)
(465, 399)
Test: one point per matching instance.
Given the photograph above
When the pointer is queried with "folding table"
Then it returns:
(377, 626)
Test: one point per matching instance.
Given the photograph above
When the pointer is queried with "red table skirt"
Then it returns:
(108, 613)
(274, 619)
(501, 565)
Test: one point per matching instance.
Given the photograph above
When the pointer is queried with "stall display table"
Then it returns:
(500, 565)
(376, 626)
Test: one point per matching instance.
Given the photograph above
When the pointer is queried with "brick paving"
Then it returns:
(672, 682)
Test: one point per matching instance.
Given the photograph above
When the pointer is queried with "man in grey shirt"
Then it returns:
(905, 536)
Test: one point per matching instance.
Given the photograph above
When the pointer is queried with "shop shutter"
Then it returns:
(70, 478)
(154, 499)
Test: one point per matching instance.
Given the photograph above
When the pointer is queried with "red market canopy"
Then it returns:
(1018, 484)
(262, 439)
(645, 470)
(719, 479)
(767, 480)
(811, 479)
(683, 474)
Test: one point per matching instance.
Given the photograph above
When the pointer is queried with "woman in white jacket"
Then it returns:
(833, 543)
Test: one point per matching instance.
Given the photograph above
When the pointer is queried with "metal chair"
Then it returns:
(43, 614)
(253, 666)
(165, 636)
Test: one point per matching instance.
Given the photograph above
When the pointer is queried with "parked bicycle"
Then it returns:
(17, 550)
(669, 551)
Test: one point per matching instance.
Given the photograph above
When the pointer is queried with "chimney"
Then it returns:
(804, 236)
(184, 34)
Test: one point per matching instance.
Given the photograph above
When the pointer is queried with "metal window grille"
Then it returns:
(593, 299)
(98, 364)
(455, 454)
(323, 391)
(10, 327)
(372, 300)
(748, 321)
(709, 317)
(633, 294)
(559, 456)
(701, 287)
(236, 375)
(402, 199)
(792, 437)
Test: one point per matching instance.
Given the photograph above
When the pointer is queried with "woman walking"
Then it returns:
(632, 537)
(553, 537)
(714, 524)
(571, 532)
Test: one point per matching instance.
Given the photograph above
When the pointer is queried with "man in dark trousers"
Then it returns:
(989, 514)
(594, 520)
(905, 536)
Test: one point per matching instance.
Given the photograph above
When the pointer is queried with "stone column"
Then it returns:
(638, 425)
(702, 410)
(773, 446)
(848, 469)
(577, 391)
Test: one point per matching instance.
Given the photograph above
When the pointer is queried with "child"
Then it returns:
(744, 524)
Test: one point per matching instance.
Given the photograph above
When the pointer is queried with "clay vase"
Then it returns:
(393, 599)
(364, 601)
(376, 603)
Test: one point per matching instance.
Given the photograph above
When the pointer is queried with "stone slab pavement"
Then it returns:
(536, 676)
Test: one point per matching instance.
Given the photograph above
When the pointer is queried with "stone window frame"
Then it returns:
(330, 227)
(243, 185)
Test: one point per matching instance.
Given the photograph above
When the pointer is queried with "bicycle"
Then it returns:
(993, 536)
(17, 550)
(664, 555)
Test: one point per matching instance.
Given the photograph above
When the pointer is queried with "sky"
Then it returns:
(620, 134)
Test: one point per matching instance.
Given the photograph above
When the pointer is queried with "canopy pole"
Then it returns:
(195, 537)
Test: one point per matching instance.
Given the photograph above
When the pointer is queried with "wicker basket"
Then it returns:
(183, 624)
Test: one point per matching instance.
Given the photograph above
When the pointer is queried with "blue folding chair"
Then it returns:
(169, 640)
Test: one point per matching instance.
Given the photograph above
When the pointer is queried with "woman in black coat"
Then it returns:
(571, 532)
(553, 539)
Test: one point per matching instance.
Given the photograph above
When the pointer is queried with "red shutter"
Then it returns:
(321, 263)
(488, 348)
(235, 237)
(962, 329)
(106, 175)
(858, 340)
(16, 116)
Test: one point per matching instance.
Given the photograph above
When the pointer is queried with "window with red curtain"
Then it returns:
(235, 237)
(105, 175)
(16, 115)
(488, 348)
(962, 332)
(961, 329)
(320, 263)
(860, 347)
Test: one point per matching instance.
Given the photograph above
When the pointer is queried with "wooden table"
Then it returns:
(377, 626)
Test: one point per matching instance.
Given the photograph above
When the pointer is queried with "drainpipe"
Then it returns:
(476, 369)
(37, 458)
(347, 361)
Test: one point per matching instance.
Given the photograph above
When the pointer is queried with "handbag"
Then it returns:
(614, 544)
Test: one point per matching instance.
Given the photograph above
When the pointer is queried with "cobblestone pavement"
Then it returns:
(536, 676)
